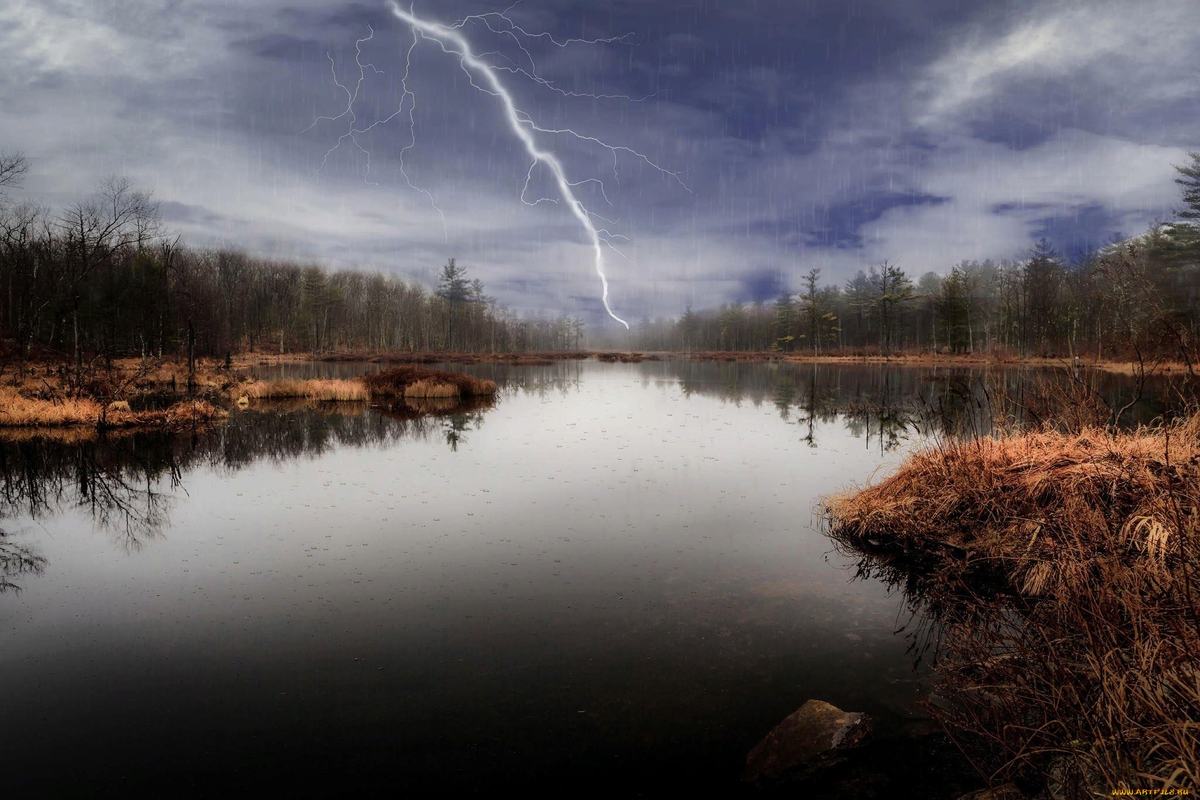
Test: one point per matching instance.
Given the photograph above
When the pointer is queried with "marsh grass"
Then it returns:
(426, 388)
(317, 390)
(625, 358)
(18, 411)
(526, 359)
(1061, 570)
(397, 381)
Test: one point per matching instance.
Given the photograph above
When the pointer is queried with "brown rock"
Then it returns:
(814, 737)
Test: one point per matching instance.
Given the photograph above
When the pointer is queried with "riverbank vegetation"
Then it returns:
(530, 359)
(132, 393)
(20, 411)
(326, 391)
(419, 382)
(1058, 571)
(72, 275)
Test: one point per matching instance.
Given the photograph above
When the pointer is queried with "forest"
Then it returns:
(104, 277)
(1134, 297)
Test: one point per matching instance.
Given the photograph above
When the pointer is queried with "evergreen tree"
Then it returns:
(892, 292)
(784, 323)
(454, 289)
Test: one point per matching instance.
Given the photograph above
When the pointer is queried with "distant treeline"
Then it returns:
(1136, 296)
(105, 278)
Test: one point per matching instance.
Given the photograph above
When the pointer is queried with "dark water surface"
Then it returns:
(614, 577)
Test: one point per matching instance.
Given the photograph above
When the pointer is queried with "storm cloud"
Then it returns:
(818, 134)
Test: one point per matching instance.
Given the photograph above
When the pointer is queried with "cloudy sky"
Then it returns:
(754, 139)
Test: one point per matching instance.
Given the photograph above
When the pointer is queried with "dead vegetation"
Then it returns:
(18, 411)
(148, 393)
(423, 382)
(626, 358)
(522, 359)
(431, 389)
(1060, 569)
(324, 391)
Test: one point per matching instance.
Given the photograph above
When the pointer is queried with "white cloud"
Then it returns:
(1143, 52)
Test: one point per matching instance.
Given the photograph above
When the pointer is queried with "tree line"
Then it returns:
(104, 278)
(1135, 296)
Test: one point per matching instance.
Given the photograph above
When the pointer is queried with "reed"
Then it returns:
(396, 382)
(1061, 569)
(17, 410)
(326, 391)
(533, 358)
(625, 358)
(431, 389)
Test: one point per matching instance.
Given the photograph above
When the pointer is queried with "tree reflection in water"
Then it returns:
(126, 483)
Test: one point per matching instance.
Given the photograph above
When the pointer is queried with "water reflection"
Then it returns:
(17, 561)
(888, 405)
(126, 483)
(618, 567)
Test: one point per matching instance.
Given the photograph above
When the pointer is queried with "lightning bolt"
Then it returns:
(485, 77)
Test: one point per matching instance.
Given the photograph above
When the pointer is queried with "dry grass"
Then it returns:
(525, 359)
(1028, 502)
(327, 391)
(625, 358)
(396, 382)
(431, 389)
(18, 411)
(1062, 569)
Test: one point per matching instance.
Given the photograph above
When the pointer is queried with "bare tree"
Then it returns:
(95, 230)
(13, 168)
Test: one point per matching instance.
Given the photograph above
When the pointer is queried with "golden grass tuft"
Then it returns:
(395, 382)
(1023, 501)
(431, 389)
(18, 411)
(327, 391)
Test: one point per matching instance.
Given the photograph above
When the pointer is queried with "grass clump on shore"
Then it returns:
(18, 411)
(1061, 570)
(626, 358)
(397, 382)
(325, 391)
(543, 358)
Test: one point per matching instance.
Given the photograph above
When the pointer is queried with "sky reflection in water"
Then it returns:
(616, 565)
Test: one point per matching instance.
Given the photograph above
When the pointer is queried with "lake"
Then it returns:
(616, 576)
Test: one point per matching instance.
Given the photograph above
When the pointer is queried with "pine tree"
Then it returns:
(784, 322)
(1185, 239)
(454, 289)
(1189, 179)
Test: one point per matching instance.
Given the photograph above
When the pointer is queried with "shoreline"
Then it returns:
(1060, 569)
(987, 361)
(161, 395)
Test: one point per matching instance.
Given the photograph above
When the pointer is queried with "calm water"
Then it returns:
(614, 573)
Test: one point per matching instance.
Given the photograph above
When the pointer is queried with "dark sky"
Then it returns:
(804, 133)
